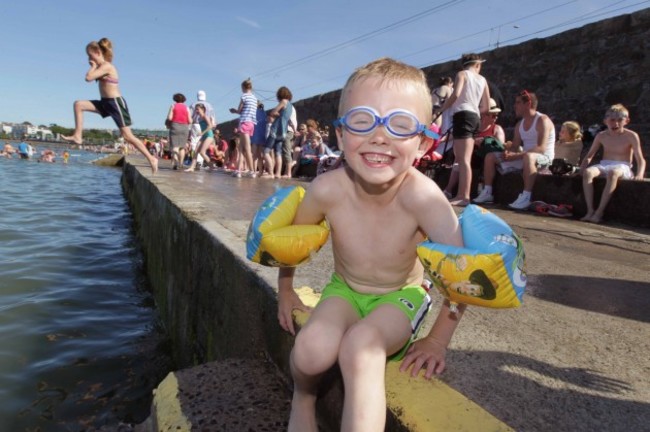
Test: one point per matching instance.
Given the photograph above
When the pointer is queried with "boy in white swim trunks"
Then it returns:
(379, 208)
(619, 145)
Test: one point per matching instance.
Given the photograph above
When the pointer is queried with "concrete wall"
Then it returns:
(200, 286)
(577, 74)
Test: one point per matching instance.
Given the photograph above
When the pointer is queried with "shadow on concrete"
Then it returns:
(547, 397)
(615, 297)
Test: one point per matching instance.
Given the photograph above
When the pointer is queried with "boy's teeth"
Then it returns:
(377, 158)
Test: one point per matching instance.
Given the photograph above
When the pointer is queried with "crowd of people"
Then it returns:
(25, 150)
(274, 145)
(264, 144)
(468, 118)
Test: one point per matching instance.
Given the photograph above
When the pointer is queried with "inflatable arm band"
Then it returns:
(488, 271)
(273, 241)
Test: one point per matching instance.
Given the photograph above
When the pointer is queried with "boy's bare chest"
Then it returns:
(384, 233)
(616, 145)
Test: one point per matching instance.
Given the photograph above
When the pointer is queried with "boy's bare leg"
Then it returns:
(362, 358)
(588, 191)
(139, 145)
(79, 107)
(610, 187)
(315, 351)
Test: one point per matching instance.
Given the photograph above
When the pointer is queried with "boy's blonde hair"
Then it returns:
(573, 129)
(391, 72)
(617, 111)
(104, 45)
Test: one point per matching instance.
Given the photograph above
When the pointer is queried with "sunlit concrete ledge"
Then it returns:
(216, 305)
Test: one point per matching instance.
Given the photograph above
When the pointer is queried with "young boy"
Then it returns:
(619, 144)
(379, 208)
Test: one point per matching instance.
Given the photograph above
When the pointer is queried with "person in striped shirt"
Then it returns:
(247, 111)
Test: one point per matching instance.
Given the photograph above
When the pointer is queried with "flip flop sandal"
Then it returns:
(539, 207)
(562, 210)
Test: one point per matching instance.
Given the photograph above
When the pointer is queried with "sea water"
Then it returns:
(79, 342)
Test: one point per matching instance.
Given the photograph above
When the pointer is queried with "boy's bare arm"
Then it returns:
(288, 300)
(638, 157)
(441, 227)
(309, 212)
(429, 352)
(591, 153)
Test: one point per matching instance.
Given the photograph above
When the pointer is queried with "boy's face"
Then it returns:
(615, 122)
(378, 157)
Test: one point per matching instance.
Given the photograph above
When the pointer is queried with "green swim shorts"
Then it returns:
(412, 300)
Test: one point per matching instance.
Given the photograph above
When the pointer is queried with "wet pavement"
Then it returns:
(573, 357)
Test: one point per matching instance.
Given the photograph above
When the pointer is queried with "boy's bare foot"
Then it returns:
(596, 218)
(73, 138)
(587, 217)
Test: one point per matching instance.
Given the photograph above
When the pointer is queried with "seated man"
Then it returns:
(536, 134)
(619, 144)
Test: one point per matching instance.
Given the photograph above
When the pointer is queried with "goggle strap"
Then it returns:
(431, 134)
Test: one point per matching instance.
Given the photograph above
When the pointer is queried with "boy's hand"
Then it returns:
(425, 353)
(288, 300)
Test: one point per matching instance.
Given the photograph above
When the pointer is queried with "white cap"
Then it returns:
(200, 95)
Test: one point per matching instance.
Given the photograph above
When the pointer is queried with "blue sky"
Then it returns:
(163, 47)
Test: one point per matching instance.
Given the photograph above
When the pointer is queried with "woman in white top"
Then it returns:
(470, 98)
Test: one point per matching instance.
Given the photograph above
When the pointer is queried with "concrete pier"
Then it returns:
(573, 357)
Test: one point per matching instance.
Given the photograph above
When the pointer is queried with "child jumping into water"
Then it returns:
(379, 207)
(100, 55)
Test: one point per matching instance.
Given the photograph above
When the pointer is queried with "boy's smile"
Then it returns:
(377, 157)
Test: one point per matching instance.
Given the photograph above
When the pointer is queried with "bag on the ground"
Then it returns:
(560, 167)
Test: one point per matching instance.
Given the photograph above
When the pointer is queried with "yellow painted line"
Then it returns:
(167, 407)
(423, 405)
(431, 405)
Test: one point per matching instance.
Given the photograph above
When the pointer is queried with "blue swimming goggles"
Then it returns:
(362, 120)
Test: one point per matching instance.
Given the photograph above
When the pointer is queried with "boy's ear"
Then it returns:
(339, 136)
(425, 145)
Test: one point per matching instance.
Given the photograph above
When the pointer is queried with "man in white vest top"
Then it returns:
(532, 147)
